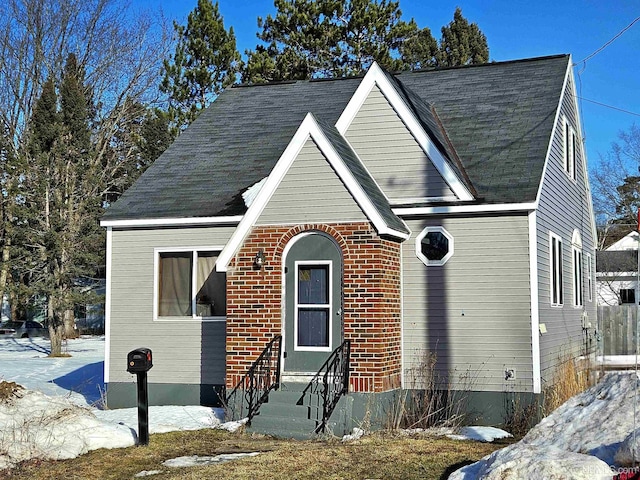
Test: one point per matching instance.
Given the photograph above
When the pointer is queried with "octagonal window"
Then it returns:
(434, 246)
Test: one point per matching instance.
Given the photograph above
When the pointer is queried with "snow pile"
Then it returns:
(629, 452)
(198, 461)
(356, 434)
(515, 463)
(480, 434)
(578, 440)
(33, 425)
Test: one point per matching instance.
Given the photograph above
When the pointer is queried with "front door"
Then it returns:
(313, 302)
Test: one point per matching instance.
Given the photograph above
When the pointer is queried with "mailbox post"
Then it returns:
(139, 361)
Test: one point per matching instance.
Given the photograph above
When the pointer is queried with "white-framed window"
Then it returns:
(187, 286)
(589, 277)
(627, 296)
(434, 246)
(570, 146)
(555, 262)
(313, 304)
(576, 254)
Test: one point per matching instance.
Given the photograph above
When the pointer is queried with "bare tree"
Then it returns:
(120, 52)
(615, 188)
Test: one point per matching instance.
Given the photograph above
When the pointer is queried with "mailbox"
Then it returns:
(139, 360)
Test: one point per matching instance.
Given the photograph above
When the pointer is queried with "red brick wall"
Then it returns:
(372, 303)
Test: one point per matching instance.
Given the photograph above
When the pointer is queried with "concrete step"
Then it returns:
(283, 417)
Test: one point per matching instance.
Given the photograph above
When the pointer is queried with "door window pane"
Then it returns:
(313, 327)
(313, 283)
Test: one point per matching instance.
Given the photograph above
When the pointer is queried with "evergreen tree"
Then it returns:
(60, 213)
(419, 50)
(204, 63)
(335, 38)
(462, 43)
(155, 137)
(327, 38)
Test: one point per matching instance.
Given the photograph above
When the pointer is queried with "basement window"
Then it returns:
(188, 286)
(434, 246)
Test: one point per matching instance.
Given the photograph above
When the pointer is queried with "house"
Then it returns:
(617, 272)
(442, 213)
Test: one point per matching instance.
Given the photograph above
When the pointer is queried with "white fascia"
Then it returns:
(553, 131)
(107, 306)
(309, 128)
(484, 208)
(535, 307)
(375, 76)
(171, 222)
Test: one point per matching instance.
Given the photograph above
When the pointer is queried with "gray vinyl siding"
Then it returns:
(310, 191)
(474, 312)
(184, 351)
(564, 206)
(391, 154)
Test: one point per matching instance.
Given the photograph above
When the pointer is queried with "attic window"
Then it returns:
(434, 246)
(570, 146)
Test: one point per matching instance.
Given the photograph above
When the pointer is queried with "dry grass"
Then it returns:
(9, 390)
(571, 377)
(431, 400)
(380, 456)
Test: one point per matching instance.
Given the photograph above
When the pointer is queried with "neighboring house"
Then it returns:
(442, 211)
(617, 272)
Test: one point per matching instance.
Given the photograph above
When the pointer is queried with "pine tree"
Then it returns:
(462, 43)
(419, 50)
(327, 38)
(60, 213)
(335, 38)
(205, 62)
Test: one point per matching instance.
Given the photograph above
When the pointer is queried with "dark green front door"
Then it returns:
(313, 302)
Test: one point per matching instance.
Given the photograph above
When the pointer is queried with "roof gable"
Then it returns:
(348, 168)
(379, 78)
(393, 156)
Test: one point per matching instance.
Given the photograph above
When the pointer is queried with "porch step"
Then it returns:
(289, 415)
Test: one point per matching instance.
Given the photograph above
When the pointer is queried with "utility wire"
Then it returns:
(608, 106)
(619, 34)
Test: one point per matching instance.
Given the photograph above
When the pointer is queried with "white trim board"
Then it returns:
(309, 129)
(535, 305)
(107, 305)
(376, 76)
(170, 222)
(483, 208)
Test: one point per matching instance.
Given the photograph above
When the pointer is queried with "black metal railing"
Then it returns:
(254, 387)
(331, 382)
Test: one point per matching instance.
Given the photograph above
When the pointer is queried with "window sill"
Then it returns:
(190, 319)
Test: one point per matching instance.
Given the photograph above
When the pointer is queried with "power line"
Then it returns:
(617, 35)
(608, 106)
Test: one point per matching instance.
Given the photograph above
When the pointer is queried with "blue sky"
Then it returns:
(517, 29)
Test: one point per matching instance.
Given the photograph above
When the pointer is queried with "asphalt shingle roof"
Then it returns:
(499, 118)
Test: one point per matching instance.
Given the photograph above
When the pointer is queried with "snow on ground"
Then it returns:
(480, 434)
(56, 415)
(79, 377)
(584, 438)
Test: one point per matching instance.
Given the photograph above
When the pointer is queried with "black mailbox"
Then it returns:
(139, 360)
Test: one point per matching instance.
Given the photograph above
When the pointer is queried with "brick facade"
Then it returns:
(371, 308)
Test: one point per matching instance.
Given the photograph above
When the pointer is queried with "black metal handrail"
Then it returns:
(333, 380)
(254, 387)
